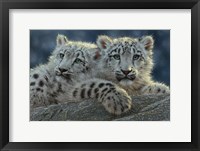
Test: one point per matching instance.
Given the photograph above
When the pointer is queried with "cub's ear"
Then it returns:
(148, 42)
(104, 42)
(61, 40)
(97, 54)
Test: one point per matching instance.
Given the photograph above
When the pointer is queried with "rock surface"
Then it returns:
(146, 108)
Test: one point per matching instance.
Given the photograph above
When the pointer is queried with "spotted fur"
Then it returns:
(69, 60)
(114, 99)
(128, 62)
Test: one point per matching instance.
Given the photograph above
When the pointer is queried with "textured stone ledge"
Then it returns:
(146, 108)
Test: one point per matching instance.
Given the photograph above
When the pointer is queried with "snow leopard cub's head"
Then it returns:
(72, 58)
(127, 60)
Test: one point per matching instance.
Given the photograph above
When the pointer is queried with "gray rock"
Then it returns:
(145, 108)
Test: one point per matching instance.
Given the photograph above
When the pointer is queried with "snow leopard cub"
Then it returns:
(125, 68)
(68, 61)
(128, 63)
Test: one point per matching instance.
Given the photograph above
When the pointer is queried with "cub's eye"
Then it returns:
(117, 57)
(77, 60)
(136, 57)
(61, 55)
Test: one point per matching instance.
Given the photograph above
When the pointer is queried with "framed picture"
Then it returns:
(45, 75)
(99, 75)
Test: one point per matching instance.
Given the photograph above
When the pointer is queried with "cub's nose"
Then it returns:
(62, 70)
(126, 72)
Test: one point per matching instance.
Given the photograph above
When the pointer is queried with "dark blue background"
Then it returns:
(43, 42)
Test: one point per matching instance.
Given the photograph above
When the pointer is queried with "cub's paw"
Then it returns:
(156, 88)
(117, 101)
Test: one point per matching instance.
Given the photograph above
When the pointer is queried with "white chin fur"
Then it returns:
(126, 82)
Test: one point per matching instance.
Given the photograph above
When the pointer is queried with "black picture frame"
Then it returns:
(5, 5)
